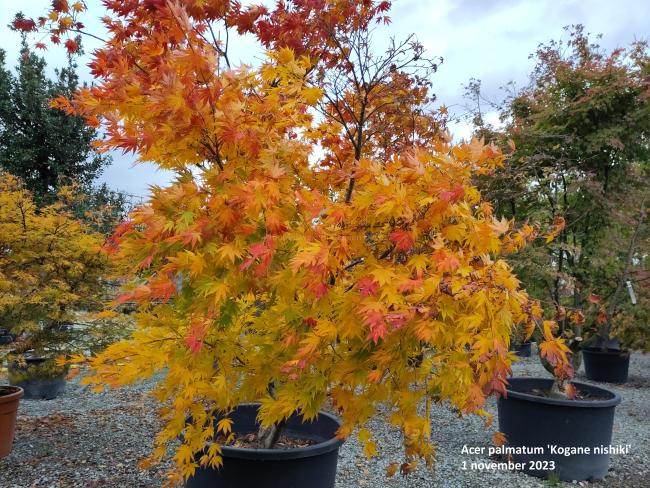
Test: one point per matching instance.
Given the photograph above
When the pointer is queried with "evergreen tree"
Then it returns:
(44, 146)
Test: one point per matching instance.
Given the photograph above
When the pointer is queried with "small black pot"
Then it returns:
(610, 366)
(36, 385)
(313, 466)
(522, 350)
(6, 337)
(531, 421)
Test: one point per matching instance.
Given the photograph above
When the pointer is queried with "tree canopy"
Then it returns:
(581, 131)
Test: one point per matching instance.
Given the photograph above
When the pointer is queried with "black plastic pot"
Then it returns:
(610, 366)
(6, 337)
(36, 385)
(522, 350)
(313, 466)
(530, 421)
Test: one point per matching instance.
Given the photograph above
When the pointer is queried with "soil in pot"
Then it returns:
(547, 435)
(610, 366)
(40, 378)
(9, 398)
(308, 459)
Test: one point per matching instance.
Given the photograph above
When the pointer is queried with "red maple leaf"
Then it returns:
(194, 338)
(374, 319)
(409, 285)
(402, 239)
(445, 261)
(310, 321)
(162, 289)
(319, 289)
(71, 46)
(25, 25)
(593, 298)
(367, 286)
(262, 251)
(397, 319)
(450, 196)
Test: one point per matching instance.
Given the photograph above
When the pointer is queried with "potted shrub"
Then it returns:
(273, 280)
(597, 182)
(605, 359)
(49, 263)
(568, 434)
(40, 377)
(6, 337)
(9, 398)
(599, 187)
(577, 421)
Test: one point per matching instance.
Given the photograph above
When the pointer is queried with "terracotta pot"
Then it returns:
(9, 398)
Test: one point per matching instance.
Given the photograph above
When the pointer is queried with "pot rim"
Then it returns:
(16, 395)
(284, 454)
(608, 352)
(610, 402)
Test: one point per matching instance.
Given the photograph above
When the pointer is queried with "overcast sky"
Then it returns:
(486, 39)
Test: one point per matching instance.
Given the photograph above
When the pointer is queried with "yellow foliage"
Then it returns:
(49, 262)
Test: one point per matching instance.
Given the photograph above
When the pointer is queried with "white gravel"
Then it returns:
(91, 440)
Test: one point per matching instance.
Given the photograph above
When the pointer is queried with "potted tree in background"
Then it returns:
(605, 359)
(576, 163)
(274, 280)
(579, 420)
(50, 264)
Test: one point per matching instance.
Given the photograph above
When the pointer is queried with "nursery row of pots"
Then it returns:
(580, 425)
(6, 337)
(567, 424)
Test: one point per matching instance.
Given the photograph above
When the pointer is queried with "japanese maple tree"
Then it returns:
(50, 265)
(580, 127)
(285, 264)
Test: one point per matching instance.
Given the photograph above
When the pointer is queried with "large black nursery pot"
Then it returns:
(39, 377)
(610, 366)
(554, 426)
(313, 466)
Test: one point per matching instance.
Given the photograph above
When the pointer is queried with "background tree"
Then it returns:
(581, 133)
(43, 146)
(50, 266)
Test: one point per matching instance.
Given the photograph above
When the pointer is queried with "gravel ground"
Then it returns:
(90, 440)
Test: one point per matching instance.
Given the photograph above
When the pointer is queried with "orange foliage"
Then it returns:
(254, 267)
